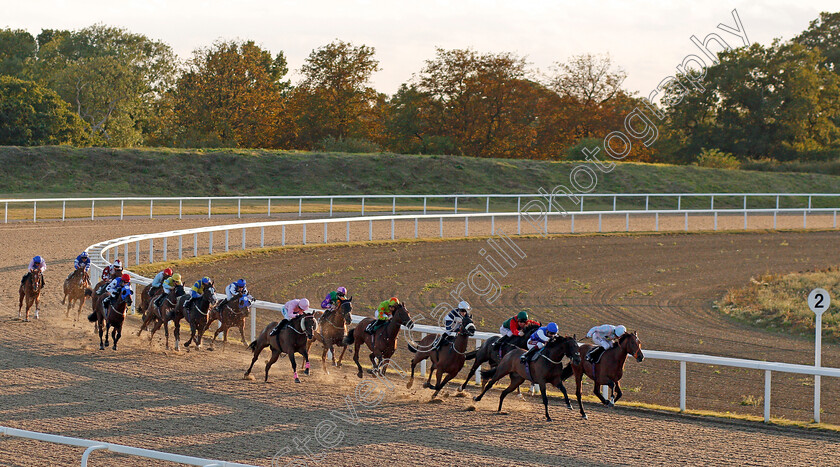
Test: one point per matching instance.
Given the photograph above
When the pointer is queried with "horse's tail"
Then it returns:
(92, 317)
(471, 354)
(411, 348)
(253, 345)
(567, 371)
(350, 337)
(487, 374)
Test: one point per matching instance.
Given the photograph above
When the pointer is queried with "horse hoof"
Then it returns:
(585, 417)
(569, 406)
(306, 371)
(409, 384)
(548, 419)
(427, 385)
(477, 398)
(297, 380)
(249, 378)
(359, 374)
(101, 347)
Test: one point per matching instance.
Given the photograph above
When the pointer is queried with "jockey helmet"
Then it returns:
(393, 301)
(522, 316)
(552, 328)
(117, 263)
(84, 254)
(37, 259)
(464, 305)
(125, 278)
(620, 330)
(176, 278)
(341, 291)
(303, 304)
(240, 283)
(205, 280)
(167, 272)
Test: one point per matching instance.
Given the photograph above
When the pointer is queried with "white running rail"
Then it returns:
(91, 446)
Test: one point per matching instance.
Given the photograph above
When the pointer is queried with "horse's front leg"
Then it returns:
(177, 333)
(100, 326)
(306, 365)
(107, 330)
(117, 334)
(341, 357)
(294, 365)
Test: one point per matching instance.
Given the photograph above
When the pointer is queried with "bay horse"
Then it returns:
(608, 370)
(113, 316)
(383, 343)
(76, 288)
(231, 313)
(30, 289)
(195, 314)
(450, 359)
(332, 327)
(160, 314)
(292, 338)
(486, 353)
(545, 368)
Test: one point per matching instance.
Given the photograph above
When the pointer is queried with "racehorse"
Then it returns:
(76, 288)
(30, 289)
(383, 343)
(450, 359)
(486, 353)
(161, 313)
(292, 338)
(114, 316)
(145, 302)
(545, 367)
(608, 370)
(195, 314)
(332, 327)
(230, 314)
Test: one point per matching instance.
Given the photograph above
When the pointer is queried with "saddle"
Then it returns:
(594, 355)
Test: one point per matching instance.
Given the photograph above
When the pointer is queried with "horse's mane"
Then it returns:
(531, 328)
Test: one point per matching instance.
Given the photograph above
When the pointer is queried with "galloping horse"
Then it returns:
(114, 316)
(383, 343)
(76, 288)
(161, 313)
(230, 314)
(196, 316)
(332, 327)
(292, 338)
(486, 353)
(545, 367)
(30, 289)
(608, 370)
(450, 359)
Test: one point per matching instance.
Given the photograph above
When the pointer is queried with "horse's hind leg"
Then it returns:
(324, 360)
(617, 392)
(475, 366)
(340, 357)
(242, 333)
(440, 385)
(117, 335)
(100, 326)
(515, 381)
(356, 358)
(545, 401)
(275, 354)
(257, 353)
(578, 381)
(107, 329)
(562, 388)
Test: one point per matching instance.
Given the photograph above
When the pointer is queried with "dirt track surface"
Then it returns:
(54, 379)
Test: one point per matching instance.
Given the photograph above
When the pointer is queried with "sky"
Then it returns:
(646, 38)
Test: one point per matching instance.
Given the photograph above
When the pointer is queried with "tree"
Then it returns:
(231, 95)
(824, 34)
(17, 48)
(110, 77)
(31, 115)
(335, 97)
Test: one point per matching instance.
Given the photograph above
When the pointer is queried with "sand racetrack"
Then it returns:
(54, 379)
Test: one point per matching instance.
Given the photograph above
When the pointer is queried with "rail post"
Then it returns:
(180, 247)
(122, 209)
(478, 373)
(151, 250)
(423, 363)
(6, 216)
(657, 221)
(239, 208)
(283, 235)
(180, 209)
(456, 205)
(209, 208)
(415, 227)
(243, 238)
(394, 205)
(715, 220)
(363, 205)
(210, 244)
(86, 454)
(254, 325)
(647, 202)
(679, 203)
(424, 205)
(92, 208)
(137, 252)
(682, 386)
(441, 227)
(767, 380)
(325, 232)
(392, 229)
(195, 244)
(35, 211)
(63, 208)
(164, 247)
(151, 209)
(227, 240)
(269, 207)
(331, 206)
(466, 226)
(304, 234)
(262, 237)
(370, 230)
(487, 209)
(348, 231)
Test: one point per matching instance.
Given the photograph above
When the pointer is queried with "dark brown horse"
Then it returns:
(112, 315)
(292, 338)
(608, 371)
(160, 313)
(76, 288)
(30, 289)
(545, 368)
(450, 359)
(196, 315)
(383, 342)
(332, 327)
(488, 354)
(231, 313)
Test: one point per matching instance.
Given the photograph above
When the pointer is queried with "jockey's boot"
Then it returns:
(527, 355)
(25, 276)
(278, 328)
(499, 343)
(594, 354)
(444, 339)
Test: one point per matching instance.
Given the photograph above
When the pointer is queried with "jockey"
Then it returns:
(291, 310)
(233, 289)
(514, 326)
(114, 288)
(82, 261)
(168, 285)
(157, 282)
(383, 314)
(197, 290)
(36, 264)
(538, 340)
(452, 322)
(333, 297)
(603, 336)
(112, 271)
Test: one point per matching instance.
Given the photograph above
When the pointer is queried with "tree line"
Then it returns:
(107, 86)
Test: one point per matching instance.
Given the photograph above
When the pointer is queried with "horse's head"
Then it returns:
(124, 296)
(571, 348)
(209, 294)
(401, 316)
(632, 345)
(308, 325)
(245, 304)
(346, 308)
(467, 326)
